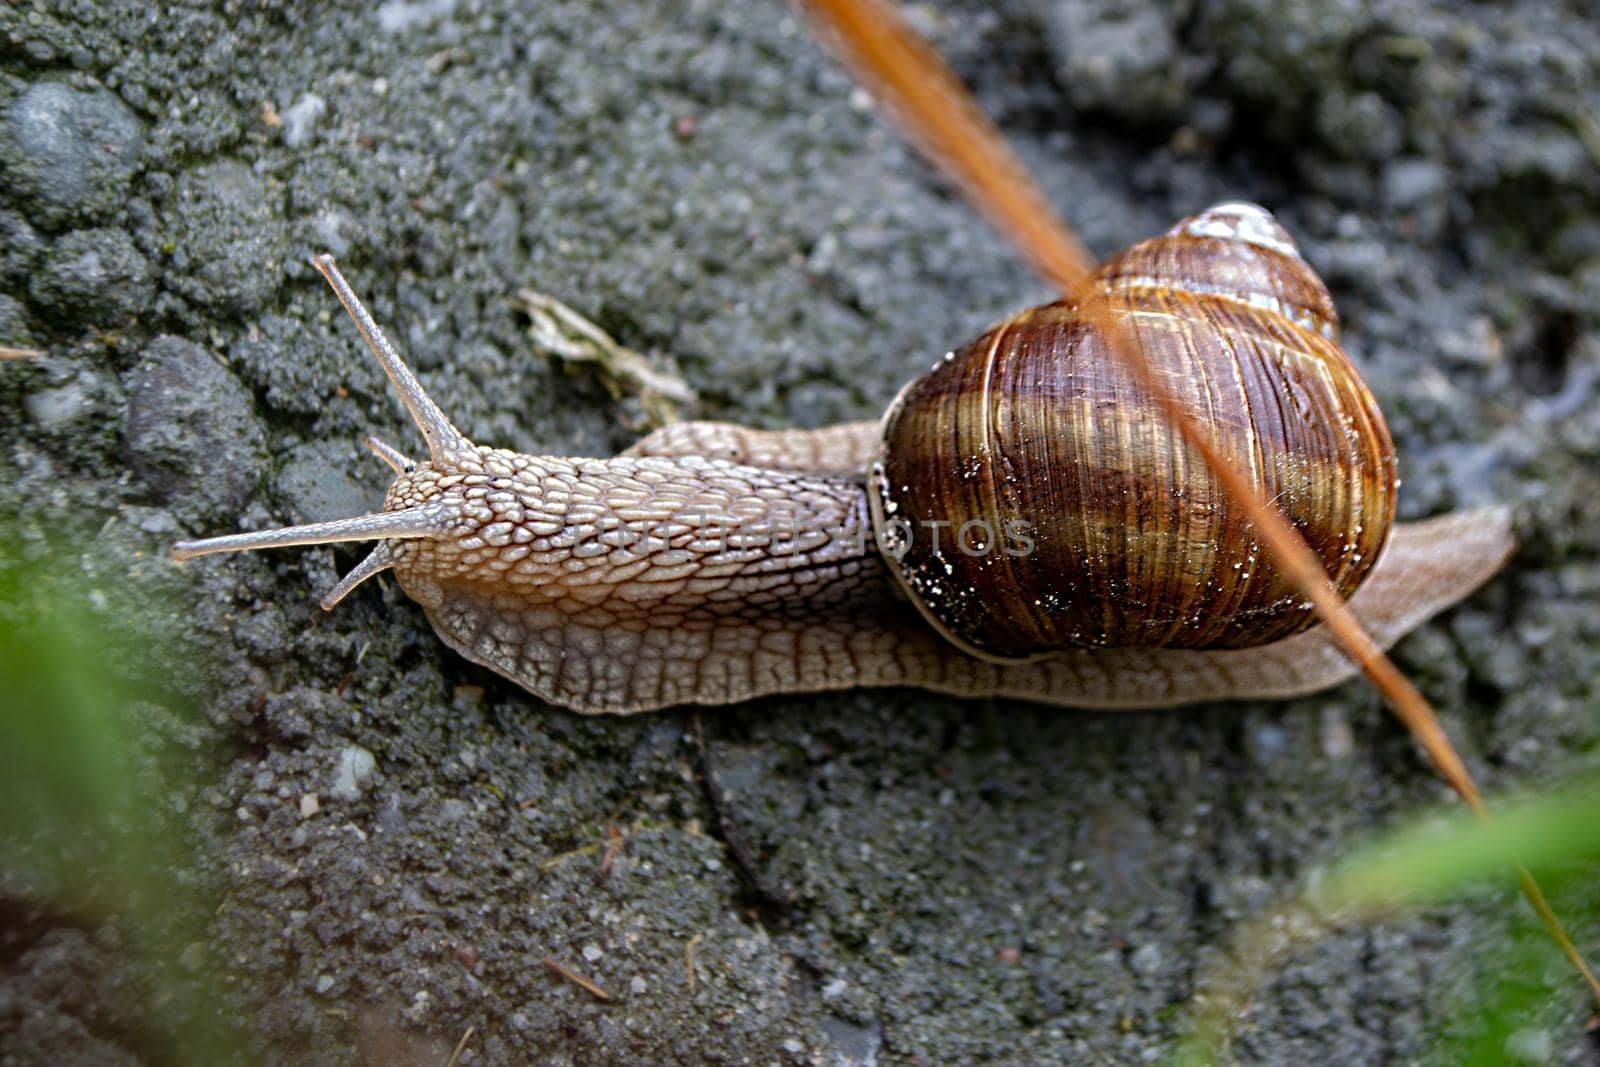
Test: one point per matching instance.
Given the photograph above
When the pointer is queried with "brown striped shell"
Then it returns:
(1030, 498)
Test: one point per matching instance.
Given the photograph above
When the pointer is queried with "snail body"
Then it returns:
(711, 563)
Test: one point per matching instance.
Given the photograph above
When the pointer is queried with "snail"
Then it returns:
(1021, 523)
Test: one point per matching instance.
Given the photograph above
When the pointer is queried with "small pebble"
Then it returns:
(1119, 59)
(1532, 1046)
(1269, 742)
(356, 765)
(398, 16)
(300, 120)
(391, 820)
(1146, 960)
(313, 482)
(193, 957)
(55, 409)
(1359, 125)
(330, 227)
(1338, 740)
(14, 329)
(1409, 183)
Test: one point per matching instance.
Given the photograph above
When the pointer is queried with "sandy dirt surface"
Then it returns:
(963, 881)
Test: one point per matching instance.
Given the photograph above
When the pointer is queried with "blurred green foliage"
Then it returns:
(1520, 983)
(1555, 833)
(93, 751)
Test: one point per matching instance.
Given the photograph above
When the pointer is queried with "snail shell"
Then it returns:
(1072, 515)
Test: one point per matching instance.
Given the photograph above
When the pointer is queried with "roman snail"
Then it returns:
(1019, 524)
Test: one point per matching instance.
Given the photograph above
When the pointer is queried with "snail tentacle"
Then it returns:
(444, 440)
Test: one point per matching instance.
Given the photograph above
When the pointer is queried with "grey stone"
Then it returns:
(55, 409)
(851, 1045)
(230, 239)
(95, 277)
(1412, 183)
(352, 772)
(70, 153)
(314, 484)
(192, 434)
(300, 120)
(1147, 960)
(400, 16)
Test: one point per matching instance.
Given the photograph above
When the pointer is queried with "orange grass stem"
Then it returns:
(941, 117)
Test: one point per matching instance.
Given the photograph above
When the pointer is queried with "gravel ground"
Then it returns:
(964, 881)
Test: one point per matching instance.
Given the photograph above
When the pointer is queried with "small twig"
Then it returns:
(7, 352)
(546, 866)
(688, 959)
(461, 1046)
(555, 327)
(578, 980)
(612, 851)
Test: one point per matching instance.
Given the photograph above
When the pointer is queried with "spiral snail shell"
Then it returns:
(1033, 426)
(1087, 560)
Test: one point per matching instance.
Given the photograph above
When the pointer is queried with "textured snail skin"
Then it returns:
(847, 448)
(711, 564)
